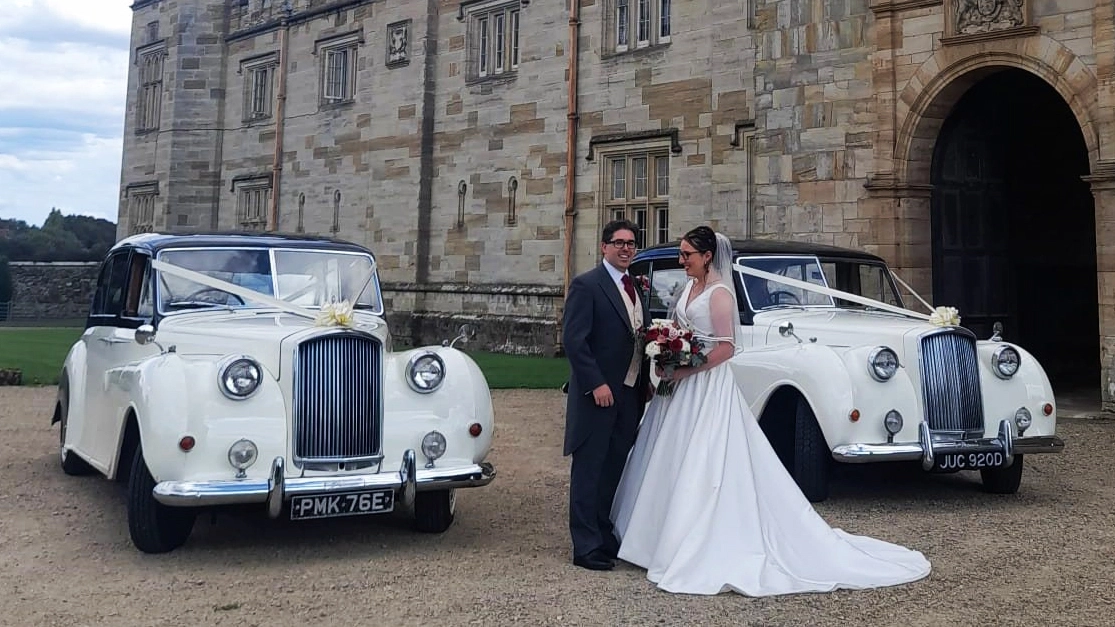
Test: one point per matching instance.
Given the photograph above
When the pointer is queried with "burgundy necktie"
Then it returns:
(629, 287)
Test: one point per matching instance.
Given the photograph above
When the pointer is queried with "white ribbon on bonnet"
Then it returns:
(828, 291)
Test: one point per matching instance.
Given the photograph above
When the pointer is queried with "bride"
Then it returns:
(704, 503)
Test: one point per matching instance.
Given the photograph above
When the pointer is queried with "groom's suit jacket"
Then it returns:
(599, 342)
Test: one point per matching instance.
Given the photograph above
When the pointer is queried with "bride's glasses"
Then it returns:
(684, 254)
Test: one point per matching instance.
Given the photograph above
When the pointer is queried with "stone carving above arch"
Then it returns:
(970, 17)
(940, 81)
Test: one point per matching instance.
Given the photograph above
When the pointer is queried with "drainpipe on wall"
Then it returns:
(570, 157)
(280, 115)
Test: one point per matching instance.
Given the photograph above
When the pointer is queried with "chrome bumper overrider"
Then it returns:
(927, 447)
(279, 488)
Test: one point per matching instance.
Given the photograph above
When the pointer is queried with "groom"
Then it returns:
(607, 391)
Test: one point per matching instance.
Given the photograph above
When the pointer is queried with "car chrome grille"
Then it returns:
(337, 408)
(950, 382)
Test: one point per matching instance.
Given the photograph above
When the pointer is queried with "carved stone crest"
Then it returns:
(985, 16)
(398, 43)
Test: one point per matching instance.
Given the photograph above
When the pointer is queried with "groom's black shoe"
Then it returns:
(594, 560)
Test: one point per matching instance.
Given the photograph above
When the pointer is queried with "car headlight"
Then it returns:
(425, 372)
(242, 454)
(892, 422)
(433, 446)
(1006, 361)
(882, 363)
(240, 377)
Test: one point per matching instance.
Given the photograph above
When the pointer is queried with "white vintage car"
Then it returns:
(256, 369)
(836, 368)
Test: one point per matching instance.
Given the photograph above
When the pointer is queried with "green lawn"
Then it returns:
(39, 353)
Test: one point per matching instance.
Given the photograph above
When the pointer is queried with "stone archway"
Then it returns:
(926, 107)
(1013, 223)
(939, 83)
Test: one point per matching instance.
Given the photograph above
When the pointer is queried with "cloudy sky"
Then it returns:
(62, 92)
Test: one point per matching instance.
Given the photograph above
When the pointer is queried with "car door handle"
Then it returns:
(113, 340)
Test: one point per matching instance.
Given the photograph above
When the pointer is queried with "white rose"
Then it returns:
(653, 349)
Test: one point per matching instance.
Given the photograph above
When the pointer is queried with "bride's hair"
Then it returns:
(703, 239)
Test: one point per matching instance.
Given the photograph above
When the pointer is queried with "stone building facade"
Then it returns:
(479, 145)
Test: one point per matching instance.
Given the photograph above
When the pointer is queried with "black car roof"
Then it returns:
(154, 242)
(767, 247)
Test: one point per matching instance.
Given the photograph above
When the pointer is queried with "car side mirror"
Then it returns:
(145, 334)
(786, 329)
(464, 333)
(997, 332)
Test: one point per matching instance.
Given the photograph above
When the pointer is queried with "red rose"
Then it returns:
(676, 344)
(652, 335)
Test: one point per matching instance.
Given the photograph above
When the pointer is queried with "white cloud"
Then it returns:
(112, 16)
(62, 95)
(84, 178)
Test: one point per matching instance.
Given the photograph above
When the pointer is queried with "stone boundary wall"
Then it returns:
(52, 290)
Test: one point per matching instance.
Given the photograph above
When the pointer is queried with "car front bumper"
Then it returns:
(279, 488)
(928, 447)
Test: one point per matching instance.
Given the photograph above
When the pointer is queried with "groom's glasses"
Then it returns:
(623, 243)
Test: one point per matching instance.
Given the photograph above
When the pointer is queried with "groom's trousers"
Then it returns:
(595, 473)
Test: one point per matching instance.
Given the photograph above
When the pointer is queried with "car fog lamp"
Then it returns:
(425, 372)
(242, 454)
(240, 378)
(433, 445)
(892, 422)
(882, 363)
(1022, 419)
(1006, 361)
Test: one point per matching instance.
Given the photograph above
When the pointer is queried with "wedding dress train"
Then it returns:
(706, 506)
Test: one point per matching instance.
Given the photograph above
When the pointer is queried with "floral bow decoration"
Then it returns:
(335, 315)
(945, 317)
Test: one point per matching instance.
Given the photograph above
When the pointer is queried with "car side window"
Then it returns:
(137, 301)
(111, 286)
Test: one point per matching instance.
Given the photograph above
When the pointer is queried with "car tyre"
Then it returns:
(154, 527)
(1003, 480)
(72, 463)
(812, 457)
(433, 511)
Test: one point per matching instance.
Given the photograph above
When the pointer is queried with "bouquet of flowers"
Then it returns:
(670, 346)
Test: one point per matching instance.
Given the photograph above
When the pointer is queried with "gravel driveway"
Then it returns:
(1043, 556)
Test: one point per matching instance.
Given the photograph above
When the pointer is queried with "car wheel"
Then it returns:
(1003, 480)
(72, 464)
(433, 511)
(155, 528)
(812, 457)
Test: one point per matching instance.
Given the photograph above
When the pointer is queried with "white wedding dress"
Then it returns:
(706, 506)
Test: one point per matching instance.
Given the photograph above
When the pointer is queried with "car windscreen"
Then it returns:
(307, 278)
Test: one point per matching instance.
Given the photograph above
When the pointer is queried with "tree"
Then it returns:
(61, 238)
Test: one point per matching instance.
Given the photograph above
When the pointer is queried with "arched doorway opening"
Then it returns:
(1013, 223)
